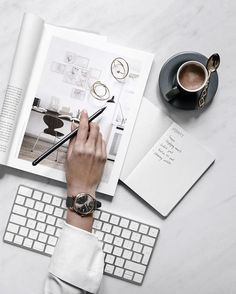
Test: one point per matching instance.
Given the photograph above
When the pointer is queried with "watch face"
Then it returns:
(84, 204)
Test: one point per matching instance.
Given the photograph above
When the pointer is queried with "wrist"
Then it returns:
(73, 190)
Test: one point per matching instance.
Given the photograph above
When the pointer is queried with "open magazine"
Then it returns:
(56, 73)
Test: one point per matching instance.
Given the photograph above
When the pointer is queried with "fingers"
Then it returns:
(93, 135)
(72, 140)
(101, 149)
(82, 133)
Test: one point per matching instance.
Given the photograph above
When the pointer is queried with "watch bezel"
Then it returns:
(79, 211)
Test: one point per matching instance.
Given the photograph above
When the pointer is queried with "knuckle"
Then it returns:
(78, 150)
(90, 152)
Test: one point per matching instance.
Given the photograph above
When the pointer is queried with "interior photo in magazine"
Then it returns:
(77, 77)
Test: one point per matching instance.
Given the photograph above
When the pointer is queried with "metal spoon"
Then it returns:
(213, 63)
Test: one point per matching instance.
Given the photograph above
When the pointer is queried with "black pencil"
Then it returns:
(66, 138)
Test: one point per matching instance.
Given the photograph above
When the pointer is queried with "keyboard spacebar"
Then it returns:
(136, 267)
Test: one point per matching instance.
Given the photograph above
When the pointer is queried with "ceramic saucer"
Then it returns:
(167, 79)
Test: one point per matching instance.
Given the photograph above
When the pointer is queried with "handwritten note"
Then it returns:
(169, 146)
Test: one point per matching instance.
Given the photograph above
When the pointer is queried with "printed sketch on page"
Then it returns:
(76, 77)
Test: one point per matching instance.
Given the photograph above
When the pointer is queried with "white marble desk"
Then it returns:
(196, 251)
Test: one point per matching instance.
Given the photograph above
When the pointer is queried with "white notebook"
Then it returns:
(163, 161)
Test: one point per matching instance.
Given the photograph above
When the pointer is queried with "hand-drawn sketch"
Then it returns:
(78, 94)
(58, 67)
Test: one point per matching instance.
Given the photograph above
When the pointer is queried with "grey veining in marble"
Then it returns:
(196, 251)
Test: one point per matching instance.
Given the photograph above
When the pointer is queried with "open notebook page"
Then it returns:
(170, 167)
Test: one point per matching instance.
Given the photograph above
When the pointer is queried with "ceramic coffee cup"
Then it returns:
(191, 78)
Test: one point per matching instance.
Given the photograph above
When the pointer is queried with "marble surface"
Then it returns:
(196, 250)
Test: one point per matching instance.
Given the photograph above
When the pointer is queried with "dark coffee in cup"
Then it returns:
(192, 76)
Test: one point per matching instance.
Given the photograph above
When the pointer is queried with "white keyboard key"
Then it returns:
(137, 247)
(51, 220)
(40, 227)
(20, 199)
(37, 195)
(52, 240)
(58, 212)
(107, 248)
(127, 254)
(56, 201)
(28, 242)
(106, 227)
(153, 232)
(124, 223)
(50, 230)
(31, 213)
(38, 246)
(143, 229)
(147, 251)
(39, 206)
(117, 251)
(137, 257)
(135, 237)
(23, 231)
(8, 237)
(63, 205)
(147, 240)
(128, 275)
(99, 235)
(134, 266)
(118, 241)
(49, 250)
(25, 191)
(18, 239)
(31, 223)
(19, 209)
(60, 222)
(41, 216)
(96, 214)
(119, 261)
(128, 244)
(58, 232)
(29, 203)
(17, 219)
(104, 216)
(116, 230)
(49, 209)
(42, 237)
(33, 234)
(114, 219)
(12, 228)
(138, 278)
(133, 225)
(108, 238)
(47, 198)
(97, 224)
(110, 258)
(109, 269)
(126, 233)
(119, 272)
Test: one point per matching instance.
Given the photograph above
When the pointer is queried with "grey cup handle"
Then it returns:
(172, 93)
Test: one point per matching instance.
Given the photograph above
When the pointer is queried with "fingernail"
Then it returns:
(85, 111)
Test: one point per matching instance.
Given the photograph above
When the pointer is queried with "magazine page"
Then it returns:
(69, 75)
(28, 41)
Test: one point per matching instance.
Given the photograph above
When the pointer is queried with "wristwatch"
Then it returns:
(83, 203)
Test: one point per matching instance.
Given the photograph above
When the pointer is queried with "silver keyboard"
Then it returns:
(37, 217)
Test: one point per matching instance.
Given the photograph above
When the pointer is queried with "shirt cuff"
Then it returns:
(78, 259)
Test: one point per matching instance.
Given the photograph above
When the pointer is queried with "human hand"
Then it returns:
(86, 157)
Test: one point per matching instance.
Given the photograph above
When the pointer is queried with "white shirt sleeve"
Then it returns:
(77, 263)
